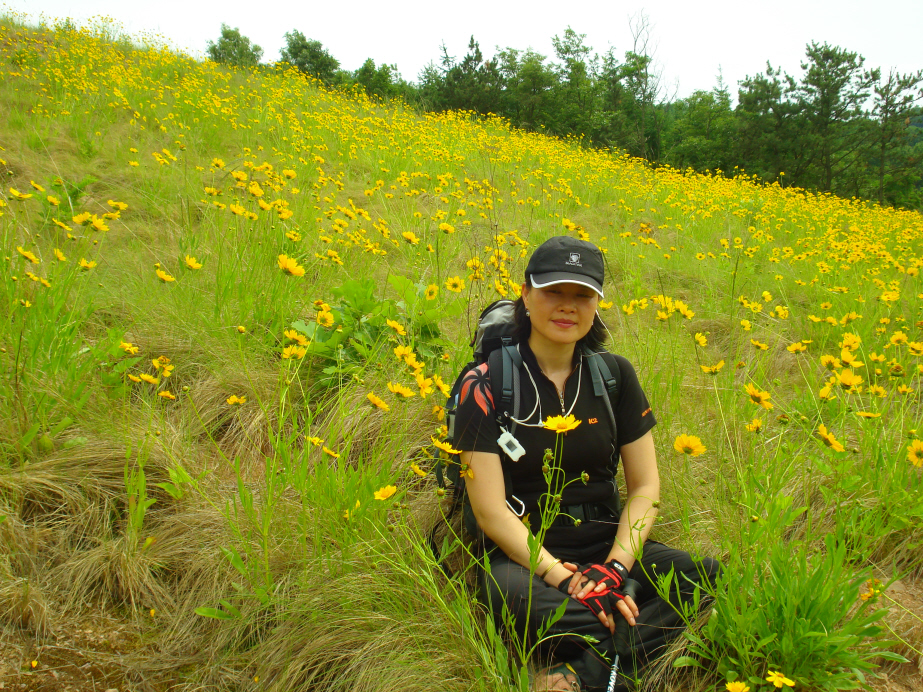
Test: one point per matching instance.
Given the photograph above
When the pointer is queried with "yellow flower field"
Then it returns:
(236, 302)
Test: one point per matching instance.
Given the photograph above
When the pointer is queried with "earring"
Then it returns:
(527, 312)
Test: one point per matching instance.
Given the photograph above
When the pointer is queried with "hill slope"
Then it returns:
(216, 281)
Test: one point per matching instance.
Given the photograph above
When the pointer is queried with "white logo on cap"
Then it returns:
(574, 259)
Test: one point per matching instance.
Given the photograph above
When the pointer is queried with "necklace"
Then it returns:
(538, 402)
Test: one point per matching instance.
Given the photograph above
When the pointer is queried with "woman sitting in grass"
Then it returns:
(593, 546)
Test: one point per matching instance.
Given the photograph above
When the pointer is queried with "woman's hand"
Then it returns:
(577, 581)
(579, 587)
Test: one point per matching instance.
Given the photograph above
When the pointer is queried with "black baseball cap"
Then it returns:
(563, 259)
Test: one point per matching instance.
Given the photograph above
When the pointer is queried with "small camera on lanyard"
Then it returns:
(510, 445)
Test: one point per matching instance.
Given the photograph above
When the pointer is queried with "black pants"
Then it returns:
(657, 623)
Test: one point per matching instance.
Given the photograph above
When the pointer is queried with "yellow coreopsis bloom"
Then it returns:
(378, 402)
(403, 352)
(235, 400)
(736, 686)
(831, 442)
(325, 318)
(396, 326)
(755, 426)
(396, 388)
(777, 679)
(431, 292)
(85, 265)
(167, 394)
(444, 446)
(700, 339)
(561, 424)
(847, 379)
(290, 266)
(294, 352)
(385, 492)
(915, 453)
(164, 277)
(758, 397)
(689, 444)
(192, 263)
(455, 284)
(425, 384)
(28, 255)
(712, 369)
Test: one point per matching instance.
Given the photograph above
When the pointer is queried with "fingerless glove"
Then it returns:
(613, 573)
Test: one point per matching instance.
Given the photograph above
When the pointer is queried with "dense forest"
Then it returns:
(837, 127)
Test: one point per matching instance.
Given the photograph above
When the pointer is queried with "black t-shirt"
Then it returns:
(590, 447)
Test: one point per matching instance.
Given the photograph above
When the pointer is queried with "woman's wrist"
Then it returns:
(557, 574)
(623, 557)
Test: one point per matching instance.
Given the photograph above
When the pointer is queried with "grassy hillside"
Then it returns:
(233, 299)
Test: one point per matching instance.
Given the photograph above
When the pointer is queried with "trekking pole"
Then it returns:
(622, 632)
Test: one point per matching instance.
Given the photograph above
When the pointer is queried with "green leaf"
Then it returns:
(122, 366)
(891, 656)
(234, 558)
(686, 662)
(214, 613)
(30, 434)
(172, 490)
(74, 442)
(557, 615)
(65, 422)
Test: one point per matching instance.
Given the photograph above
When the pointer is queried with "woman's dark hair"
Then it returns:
(594, 339)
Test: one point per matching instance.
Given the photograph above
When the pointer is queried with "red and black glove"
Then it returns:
(603, 601)
(613, 573)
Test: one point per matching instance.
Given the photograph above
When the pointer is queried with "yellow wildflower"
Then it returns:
(689, 444)
(455, 284)
(778, 679)
(385, 492)
(290, 266)
(378, 402)
(396, 326)
(561, 424)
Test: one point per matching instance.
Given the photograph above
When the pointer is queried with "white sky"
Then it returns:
(693, 39)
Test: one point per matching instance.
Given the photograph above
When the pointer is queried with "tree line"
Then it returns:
(837, 127)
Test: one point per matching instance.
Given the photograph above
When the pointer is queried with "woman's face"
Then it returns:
(561, 313)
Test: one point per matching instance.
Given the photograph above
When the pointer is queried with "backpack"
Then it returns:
(495, 330)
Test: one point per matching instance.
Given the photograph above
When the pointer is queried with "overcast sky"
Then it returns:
(692, 39)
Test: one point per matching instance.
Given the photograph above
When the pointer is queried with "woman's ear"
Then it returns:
(526, 289)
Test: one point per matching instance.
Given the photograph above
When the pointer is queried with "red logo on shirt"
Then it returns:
(593, 420)
(645, 412)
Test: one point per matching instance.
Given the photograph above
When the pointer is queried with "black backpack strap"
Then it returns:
(504, 371)
(605, 383)
(511, 364)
